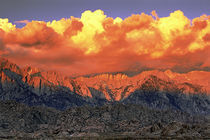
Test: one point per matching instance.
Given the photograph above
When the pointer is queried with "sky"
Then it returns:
(95, 36)
(47, 10)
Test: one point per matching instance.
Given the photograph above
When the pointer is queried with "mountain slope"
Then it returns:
(33, 87)
(156, 93)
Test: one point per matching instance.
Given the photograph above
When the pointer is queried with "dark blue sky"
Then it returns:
(48, 10)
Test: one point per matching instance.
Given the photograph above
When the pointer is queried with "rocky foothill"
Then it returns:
(108, 121)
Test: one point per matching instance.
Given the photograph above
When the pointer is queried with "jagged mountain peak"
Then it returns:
(31, 70)
(170, 73)
(118, 76)
(105, 76)
(157, 73)
(6, 64)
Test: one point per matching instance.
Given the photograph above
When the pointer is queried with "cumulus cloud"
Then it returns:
(96, 43)
(6, 26)
(35, 34)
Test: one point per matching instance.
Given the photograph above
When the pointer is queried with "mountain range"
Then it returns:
(188, 92)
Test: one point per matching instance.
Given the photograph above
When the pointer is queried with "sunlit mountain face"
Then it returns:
(96, 43)
(188, 92)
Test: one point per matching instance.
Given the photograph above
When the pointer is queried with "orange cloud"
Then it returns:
(22, 21)
(96, 43)
(6, 26)
(34, 34)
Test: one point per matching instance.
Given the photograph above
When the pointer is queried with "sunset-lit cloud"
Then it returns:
(22, 21)
(96, 43)
(6, 26)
